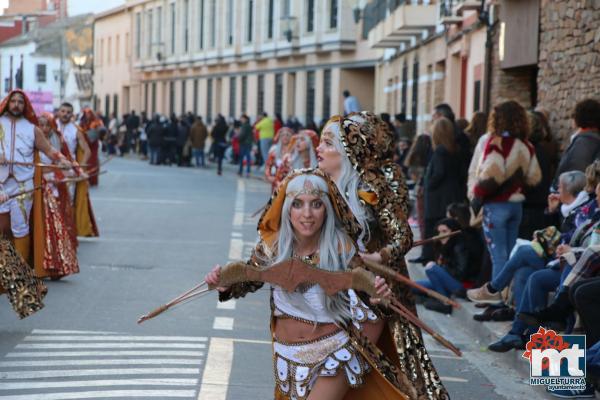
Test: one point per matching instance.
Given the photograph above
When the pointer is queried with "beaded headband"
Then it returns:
(308, 189)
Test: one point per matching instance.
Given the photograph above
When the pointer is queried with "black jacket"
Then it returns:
(155, 132)
(442, 182)
(462, 255)
(583, 150)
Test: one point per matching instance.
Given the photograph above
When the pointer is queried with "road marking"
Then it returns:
(238, 219)
(223, 323)
(129, 361)
(226, 305)
(102, 338)
(453, 379)
(66, 373)
(236, 234)
(235, 249)
(165, 394)
(96, 383)
(62, 332)
(117, 353)
(217, 370)
(253, 341)
(129, 345)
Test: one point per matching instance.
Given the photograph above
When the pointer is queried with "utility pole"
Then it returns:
(62, 66)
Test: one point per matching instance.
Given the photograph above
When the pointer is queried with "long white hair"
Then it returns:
(349, 182)
(335, 248)
(297, 160)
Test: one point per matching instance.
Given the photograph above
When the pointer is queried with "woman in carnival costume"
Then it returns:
(318, 352)
(357, 152)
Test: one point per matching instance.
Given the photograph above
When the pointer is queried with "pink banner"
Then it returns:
(41, 101)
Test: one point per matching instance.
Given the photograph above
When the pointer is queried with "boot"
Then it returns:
(558, 311)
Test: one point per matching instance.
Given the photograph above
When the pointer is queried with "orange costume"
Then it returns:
(90, 124)
(54, 235)
(275, 169)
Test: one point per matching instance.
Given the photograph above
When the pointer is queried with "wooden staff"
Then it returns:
(42, 165)
(435, 238)
(290, 274)
(389, 273)
(67, 180)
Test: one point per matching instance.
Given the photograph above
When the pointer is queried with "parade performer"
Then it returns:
(77, 144)
(275, 171)
(19, 137)
(303, 150)
(318, 352)
(90, 125)
(54, 232)
(356, 152)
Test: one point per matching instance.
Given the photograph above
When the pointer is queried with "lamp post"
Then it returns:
(288, 31)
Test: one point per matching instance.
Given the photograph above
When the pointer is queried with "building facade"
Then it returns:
(116, 87)
(290, 57)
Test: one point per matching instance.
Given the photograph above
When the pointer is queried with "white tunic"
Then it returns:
(17, 142)
(313, 298)
(69, 132)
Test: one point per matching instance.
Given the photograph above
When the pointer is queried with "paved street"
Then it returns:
(162, 229)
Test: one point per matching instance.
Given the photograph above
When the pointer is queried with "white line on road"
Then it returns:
(453, 379)
(117, 353)
(97, 383)
(128, 345)
(226, 305)
(129, 361)
(100, 394)
(116, 338)
(236, 234)
(63, 332)
(253, 341)
(66, 373)
(235, 249)
(215, 378)
(223, 323)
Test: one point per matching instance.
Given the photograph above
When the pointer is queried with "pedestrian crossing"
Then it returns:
(67, 364)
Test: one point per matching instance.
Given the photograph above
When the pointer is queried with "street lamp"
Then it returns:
(288, 31)
(79, 60)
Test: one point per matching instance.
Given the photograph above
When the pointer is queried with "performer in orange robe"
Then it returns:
(54, 236)
(90, 124)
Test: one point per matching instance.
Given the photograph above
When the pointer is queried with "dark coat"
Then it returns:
(462, 255)
(583, 150)
(155, 134)
(442, 182)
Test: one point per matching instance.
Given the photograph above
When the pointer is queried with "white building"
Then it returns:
(34, 62)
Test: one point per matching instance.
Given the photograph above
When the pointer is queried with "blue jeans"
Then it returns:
(501, 227)
(265, 146)
(245, 153)
(154, 154)
(441, 281)
(199, 157)
(524, 257)
(535, 295)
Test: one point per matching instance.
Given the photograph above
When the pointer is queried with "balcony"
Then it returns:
(466, 5)
(393, 22)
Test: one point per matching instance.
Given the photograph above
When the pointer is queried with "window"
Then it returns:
(149, 32)
(244, 93)
(159, 27)
(326, 93)
(201, 24)
(183, 96)
(415, 91)
(477, 96)
(209, 100)
(115, 104)
(101, 51)
(146, 95)
(107, 105)
(310, 97)
(250, 18)
(173, 22)
(333, 14)
(40, 72)
(195, 96)
(117, 48)
(186, 25)
(108, 50)
(213, 20)
(310, 15)
(230, 22)
(278, 93)
(232, 89)
(153, 98)
(404, 87)
(270, 20)
(127, 53)
(260, 100)
(171, 98)
(138, 35)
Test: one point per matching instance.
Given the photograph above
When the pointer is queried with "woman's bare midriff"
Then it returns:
(292, 331)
